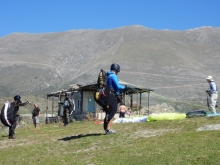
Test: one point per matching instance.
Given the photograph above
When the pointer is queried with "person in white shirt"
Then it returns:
(212, 94)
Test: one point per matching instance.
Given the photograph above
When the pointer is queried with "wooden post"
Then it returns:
(52, 105)
(81, 103)
(140, 102)
(131, 100)
(47, 111)
(148, 103)
(138, 106)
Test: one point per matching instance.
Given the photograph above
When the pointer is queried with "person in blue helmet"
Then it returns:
(114, 88)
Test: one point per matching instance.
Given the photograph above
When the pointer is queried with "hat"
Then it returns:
(210, 78)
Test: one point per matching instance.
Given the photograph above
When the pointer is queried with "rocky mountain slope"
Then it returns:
(173, 63)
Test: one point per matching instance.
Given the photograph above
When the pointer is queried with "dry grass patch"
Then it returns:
(151, 133)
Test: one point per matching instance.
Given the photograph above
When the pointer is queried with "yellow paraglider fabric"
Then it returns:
(166, 116)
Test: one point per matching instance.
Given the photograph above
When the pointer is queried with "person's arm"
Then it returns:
(116, 83)
(126, 110)
(23, 104)
(39, 113)
(119, 108)
(59, 102)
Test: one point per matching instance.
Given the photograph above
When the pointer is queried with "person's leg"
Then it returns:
(213, 102)
(64, 117)
(12, 130)
(9, 132)
(120, 115)
(111, 114)
(123, 114)
(106, 121)
(209, 103)
(67, 116)
(37, 121)
(109, 125)
(34, 121)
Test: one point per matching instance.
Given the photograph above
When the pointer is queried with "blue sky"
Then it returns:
(41, 16)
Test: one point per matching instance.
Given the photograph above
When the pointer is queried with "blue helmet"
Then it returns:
(115, 67)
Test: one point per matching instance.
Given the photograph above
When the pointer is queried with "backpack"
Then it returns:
(100, 96)
(7, 114)
(197, 113)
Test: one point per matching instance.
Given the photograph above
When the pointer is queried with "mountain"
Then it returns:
(173, 63)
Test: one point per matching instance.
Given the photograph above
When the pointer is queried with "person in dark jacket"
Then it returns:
(114, 88)
(14, 105)
(69, 107)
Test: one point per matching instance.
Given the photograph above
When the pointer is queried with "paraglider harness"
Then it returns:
(69, 104)
(103, 91)
(8, 113)
(101, 94)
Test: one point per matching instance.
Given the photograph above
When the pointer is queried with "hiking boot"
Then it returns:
(111, 131)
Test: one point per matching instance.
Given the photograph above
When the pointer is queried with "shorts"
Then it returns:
(35, 120)
(122, 114)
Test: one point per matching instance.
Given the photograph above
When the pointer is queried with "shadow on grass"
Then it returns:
(80, 136)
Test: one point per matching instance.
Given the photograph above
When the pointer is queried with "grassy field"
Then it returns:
(84, 143)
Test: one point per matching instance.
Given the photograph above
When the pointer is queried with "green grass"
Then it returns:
(156, 143)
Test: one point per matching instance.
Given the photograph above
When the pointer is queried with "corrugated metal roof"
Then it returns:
(132, 89)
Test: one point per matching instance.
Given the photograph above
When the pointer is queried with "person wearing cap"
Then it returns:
(14, 105)
(69, 107)
(212, 94)
(113, 88)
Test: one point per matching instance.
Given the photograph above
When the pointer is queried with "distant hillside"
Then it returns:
(174, 63)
